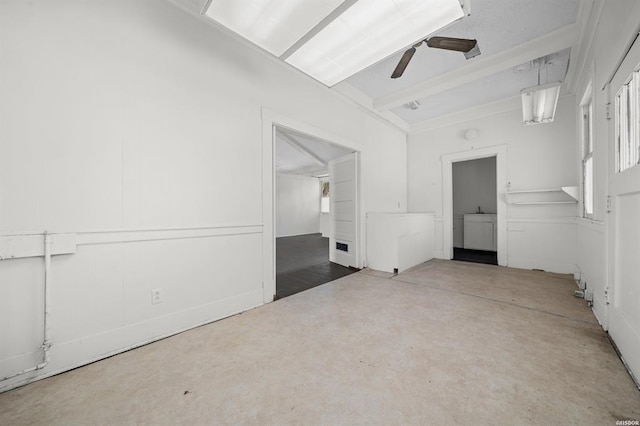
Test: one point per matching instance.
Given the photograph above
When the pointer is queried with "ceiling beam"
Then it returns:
(319, 27)
(305, 172)
(469, 114)
(483, 67)
(588, 17)
(301, 148)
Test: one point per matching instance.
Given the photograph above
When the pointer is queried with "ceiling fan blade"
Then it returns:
(404, 61)
(451, 43)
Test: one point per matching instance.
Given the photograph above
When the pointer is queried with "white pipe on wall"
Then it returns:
(46, 344)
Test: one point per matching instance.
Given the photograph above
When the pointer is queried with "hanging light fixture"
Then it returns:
(539, 102)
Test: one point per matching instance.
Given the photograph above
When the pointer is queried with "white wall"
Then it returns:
(399, 241)
(325, 224)
(297, 205)
(474, 185)
(538, 157)
(137, 128)
(615, 28)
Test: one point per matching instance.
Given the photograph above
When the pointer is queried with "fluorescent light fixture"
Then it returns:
(368, 32)
(331, 40)
(274, 25)
(539, 103)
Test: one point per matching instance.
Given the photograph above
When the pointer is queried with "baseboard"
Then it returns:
(73, 354)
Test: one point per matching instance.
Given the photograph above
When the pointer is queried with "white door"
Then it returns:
(343, 210)
(624, 234)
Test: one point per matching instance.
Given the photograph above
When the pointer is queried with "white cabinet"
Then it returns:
(480, 232)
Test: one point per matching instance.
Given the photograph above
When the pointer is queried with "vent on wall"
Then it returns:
(342, 246)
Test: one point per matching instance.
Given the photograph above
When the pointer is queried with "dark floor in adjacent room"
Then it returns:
(475, 256)
(302, 262)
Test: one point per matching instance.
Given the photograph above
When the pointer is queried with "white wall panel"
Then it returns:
(549, 244)
(87, 292)
(138, 118)
(538, 157)
(591, 243)
(399, 241)
(617, 26)
(21, 296)
(297, 205)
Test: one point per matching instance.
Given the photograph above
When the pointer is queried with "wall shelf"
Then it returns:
(562, 195)
(543, 202)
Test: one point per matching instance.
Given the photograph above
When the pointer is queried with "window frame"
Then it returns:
(324, 204)
(586, 153)
(627, 123)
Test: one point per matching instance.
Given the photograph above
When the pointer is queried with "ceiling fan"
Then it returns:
(468, 47)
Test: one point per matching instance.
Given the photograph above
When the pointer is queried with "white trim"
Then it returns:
(85, 350)
(128, 236)
(551, 220)
(301, 149)
(126, 230)
(498, 151)
(271, 119)
(365, 102)
(474, 113)
(482, 67)
(16, 246)
(593, 225)
(588, 17)
(325, 22)
(588, 94)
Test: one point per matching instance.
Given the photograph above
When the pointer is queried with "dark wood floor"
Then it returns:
(475, 256)
(302, 262)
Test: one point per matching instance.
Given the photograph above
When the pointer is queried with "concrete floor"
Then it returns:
(445, 342)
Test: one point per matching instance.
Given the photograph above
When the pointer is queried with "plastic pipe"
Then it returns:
(46, 344)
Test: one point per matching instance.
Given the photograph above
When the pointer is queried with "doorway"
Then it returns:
(475, 211)
(500, 154)
(305, 203)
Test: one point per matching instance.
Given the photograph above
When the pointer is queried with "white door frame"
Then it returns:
(498, 151)
(622, 327)
(271, 119)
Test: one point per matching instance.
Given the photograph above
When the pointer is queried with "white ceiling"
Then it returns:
(496, 24)
(510, 33)
(501, 85)
(300, 154)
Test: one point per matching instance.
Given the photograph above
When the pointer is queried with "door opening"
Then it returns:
(307, 199)
(475, 211)
(499, 152)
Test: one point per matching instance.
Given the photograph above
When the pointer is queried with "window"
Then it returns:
(324, 200)
(587, 155)
(627, 103)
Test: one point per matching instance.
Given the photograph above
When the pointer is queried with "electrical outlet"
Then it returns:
(156, 296)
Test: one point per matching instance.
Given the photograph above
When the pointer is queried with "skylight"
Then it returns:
(330, 40)
(274, 25)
